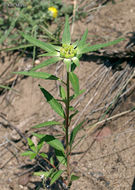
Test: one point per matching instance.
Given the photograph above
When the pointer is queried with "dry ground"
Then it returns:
(105, 159)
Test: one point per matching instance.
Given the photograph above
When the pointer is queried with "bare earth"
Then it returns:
(104, 159)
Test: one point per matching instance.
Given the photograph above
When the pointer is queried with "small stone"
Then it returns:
(21, 186)
(100, 135)
(37, 62)
(14, 136)
(34, 140)
(24, 180)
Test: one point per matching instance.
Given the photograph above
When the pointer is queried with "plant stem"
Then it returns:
(67, 131)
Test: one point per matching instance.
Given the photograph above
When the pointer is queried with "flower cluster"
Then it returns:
(67, 51)
(53, 11)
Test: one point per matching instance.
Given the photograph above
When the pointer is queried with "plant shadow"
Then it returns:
(133, 185)
(116, 60)
(42, 165)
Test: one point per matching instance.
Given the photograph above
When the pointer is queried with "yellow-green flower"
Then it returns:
(53, 11)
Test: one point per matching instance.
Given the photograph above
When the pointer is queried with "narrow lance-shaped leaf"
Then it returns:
(56, 106)
(17, 47)
(99, 46)
(31, 144)
(31, 154)
(66, 38)
(43, 155)
(62, 92)
(46, 63)
(42, 173)
(83, 39)
(56, 175)
(81, 48)
(61, 157)
(51, 140)
(76, 95)
(39, 146)
(52, 161)
(54, 53)
(40, 75)
(74, 133)
(72, 115)
(45, 46)
(75, 44)
(7, 88)
(74, 177)
(27, 153)
(74, 81)
(47, 123)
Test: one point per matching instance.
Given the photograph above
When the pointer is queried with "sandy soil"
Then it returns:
(104, 159)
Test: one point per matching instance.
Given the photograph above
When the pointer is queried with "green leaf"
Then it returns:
(47, 123)
(80, 92)
(99, 46)
(46, 63)
(76, 95)
(7, 87)
(40, 136)
(62, 93)
(75, 44)
(56, 175)
(51, 161)
(74, 81)
(31, 154)
(17, 47)
(61, 157)
(51, 140)
(73, 66)
(43, 155)
(45, 174)
(72, 115)
(68, 64)
(27, 153)
(45, 46)
(79, 50)
(76, 61)
(54, 53)
(74, 177)
(31, 144)
(71, 108)
(83, 40)
(39, 145)
(40, 75)
(66, 38)
(56, 106)
(57, 47)
(74, 133)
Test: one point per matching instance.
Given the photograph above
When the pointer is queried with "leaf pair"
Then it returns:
(34, 149)
(56, 144)
(54, 175)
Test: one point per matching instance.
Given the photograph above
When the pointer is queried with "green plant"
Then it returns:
(33, 17)
(70, 54)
